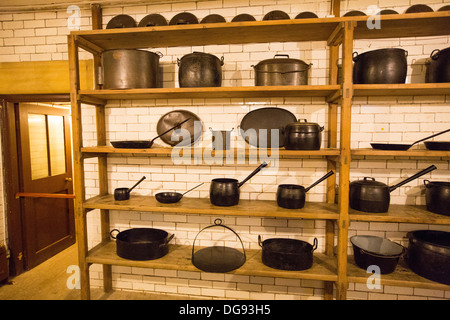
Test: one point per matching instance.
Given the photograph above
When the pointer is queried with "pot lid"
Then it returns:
(191, 129)
(153, 19)
(276, 60)
(368, 181)
(121, 21)
(302, 125)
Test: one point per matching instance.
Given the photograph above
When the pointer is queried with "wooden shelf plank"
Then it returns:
(401, 89)
(402, 277)
(212, 92)
(179, 258)
(408, 153)
(261, 208)
(197, 152)
(401, 213)
(293, 30)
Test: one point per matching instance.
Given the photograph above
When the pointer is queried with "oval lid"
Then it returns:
(369, 181)
(276, 60)
(302, 125)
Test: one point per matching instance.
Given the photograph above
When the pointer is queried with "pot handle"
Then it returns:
(315, 244)
(435, 54)
(168, 239)
(355, 57)
(217, 223)
(260, 241)
(221, 61)
(365, 178)
(281, 55)
(178, 61)
(159, 53)
(111, 233)
(426, 183)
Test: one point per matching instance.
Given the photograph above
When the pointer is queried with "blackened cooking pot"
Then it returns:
(281, 72)
(200, 69)
(376, 251)
(437, 196)
(380, 66)
(429, 254)
(438, 66)
(224, 192)
(373, 196)
(303, 135)
(141, 243)
(292, 196)
(287, 254)
(130, 69)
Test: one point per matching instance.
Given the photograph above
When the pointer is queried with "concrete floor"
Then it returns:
(48, 281)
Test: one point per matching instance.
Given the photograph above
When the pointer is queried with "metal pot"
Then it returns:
(438, 66)
(437, 196)
(121, 194)
(373, 196)
(224, 192)
(130, 69)
(372, 250)
(292, 196)
(429, 254)
(200, 69)
(380, 66)
(287, 254)
(142, 243)
(281, 72)
(303, 135)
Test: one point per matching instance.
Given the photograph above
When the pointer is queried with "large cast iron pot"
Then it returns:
(130, 69)
(281, 72)
(373, 196)
(141, 243)
(200, 69)
(287, 254)
(303, 135)
(437, 195)
(429, 254)
(380, 66)
(438, 66)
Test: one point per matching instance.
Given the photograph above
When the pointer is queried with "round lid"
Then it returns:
(368, 181)
(276, 60)
(302, 125)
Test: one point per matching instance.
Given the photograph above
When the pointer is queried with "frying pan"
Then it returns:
(142, 144)
(398, 146)
(437, 145)
(124, 193)
(172, 197)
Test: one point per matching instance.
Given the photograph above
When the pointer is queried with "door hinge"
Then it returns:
(20, 256)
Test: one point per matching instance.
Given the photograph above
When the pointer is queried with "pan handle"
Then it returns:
(263, 165)
(330, 173)
(142, 179)
(432, 136)
(111, 233)
(168, 239)
(315, 244)
(417, 175)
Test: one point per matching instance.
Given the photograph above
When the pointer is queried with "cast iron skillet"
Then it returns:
(141, 144)
(437, 145)
(398, 146)
(172, 197)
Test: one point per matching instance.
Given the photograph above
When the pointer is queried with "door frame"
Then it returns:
(11, 170)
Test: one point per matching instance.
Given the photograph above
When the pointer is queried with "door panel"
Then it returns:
(46, 167)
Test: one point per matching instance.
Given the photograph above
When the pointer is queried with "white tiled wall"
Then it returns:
(41, 35)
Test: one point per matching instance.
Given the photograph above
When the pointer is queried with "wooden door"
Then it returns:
(45, 181)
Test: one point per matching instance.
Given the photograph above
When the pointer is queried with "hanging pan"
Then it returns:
(172, 197)
(398, 146)
(142, 144)
(218, 258)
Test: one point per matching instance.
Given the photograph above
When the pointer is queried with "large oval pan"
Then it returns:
(175, 138)
(265, 118)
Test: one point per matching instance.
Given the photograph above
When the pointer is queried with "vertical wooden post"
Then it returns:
(344, 168)
(78, 185)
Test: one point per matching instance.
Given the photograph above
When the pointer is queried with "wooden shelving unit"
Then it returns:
(334, 267)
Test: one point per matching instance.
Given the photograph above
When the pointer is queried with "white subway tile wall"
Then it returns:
(42, 36)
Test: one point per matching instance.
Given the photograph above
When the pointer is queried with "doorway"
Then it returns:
(39, 183)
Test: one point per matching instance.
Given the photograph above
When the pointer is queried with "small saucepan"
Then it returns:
(224, 192)
(292, 196)
(124, 193)
(172, 197)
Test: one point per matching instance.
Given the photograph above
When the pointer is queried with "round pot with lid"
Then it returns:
(303, 135)
(199, 69)
(437, 196)
(383, 66)
(130, 69)
(281, 71)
